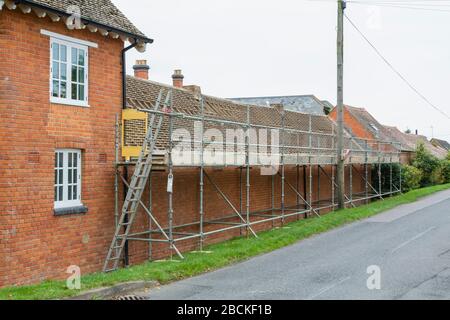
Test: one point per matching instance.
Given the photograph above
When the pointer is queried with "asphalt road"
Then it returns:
(410, 245)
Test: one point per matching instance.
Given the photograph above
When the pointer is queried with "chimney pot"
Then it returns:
(141, 69)
(177, 78)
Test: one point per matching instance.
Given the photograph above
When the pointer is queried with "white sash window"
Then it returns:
(67, 178)
(68, 73)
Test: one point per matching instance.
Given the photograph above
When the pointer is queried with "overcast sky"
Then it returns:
(235, 48)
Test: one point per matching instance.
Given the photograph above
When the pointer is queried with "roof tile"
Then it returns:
(100, 11)
(143, 93)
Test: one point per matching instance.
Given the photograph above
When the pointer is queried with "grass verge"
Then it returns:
(223, 254)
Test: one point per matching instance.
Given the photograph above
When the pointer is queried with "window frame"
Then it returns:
(65, 202)
(68, 100)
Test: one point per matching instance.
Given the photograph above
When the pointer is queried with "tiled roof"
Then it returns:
(371, 124)
(382, 133)
(400, 137)
(415, 140)
(411, 141)
(408, 142)
(103, 12)
(304, 103)
(441, 143)
(143, 94)
(436, 151)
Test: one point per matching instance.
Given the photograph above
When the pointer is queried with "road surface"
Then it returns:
(406, 251)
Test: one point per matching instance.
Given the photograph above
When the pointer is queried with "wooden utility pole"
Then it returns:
(340, 105)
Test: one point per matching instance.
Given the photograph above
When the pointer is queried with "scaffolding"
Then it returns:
(309, 152)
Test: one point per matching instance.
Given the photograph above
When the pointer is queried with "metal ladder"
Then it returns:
(136, 187)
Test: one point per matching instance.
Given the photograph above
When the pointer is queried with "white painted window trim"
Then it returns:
(69, 100)
(55, 35)
(65, 203)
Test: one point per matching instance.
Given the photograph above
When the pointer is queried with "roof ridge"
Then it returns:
(185, 90)
(227, 100)
(281, 96)
(159, 84)
(356, 108)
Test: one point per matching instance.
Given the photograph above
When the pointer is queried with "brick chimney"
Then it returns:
(141, 69)
(177, 79)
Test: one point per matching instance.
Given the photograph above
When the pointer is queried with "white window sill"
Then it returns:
(67, 204)
(73, 103)
(79, 209)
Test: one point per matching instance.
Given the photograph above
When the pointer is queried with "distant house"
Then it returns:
(411, 141)
(441, 144)
(309, 104)
(415, 140)
(360, 123)
(408, 148)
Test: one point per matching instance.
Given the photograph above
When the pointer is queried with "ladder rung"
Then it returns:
(114, 258)
(125, 223)
(138, 188)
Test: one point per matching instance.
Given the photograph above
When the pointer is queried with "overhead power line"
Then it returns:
(398, 6)
(421, 5)
(404, 3)
(395, 70)
(408, 2)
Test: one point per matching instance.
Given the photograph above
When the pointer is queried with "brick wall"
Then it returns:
(357, 129)
(186, 202)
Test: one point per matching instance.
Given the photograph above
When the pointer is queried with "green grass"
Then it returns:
(223, 254)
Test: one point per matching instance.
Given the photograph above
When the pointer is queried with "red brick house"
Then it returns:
(60, 90)
(360, 123)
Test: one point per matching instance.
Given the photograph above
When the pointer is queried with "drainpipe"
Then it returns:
(126, 255)
(124, 106)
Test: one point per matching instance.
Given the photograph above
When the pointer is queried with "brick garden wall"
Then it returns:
(186, 202)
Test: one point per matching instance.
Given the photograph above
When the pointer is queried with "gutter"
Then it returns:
(86, 21)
